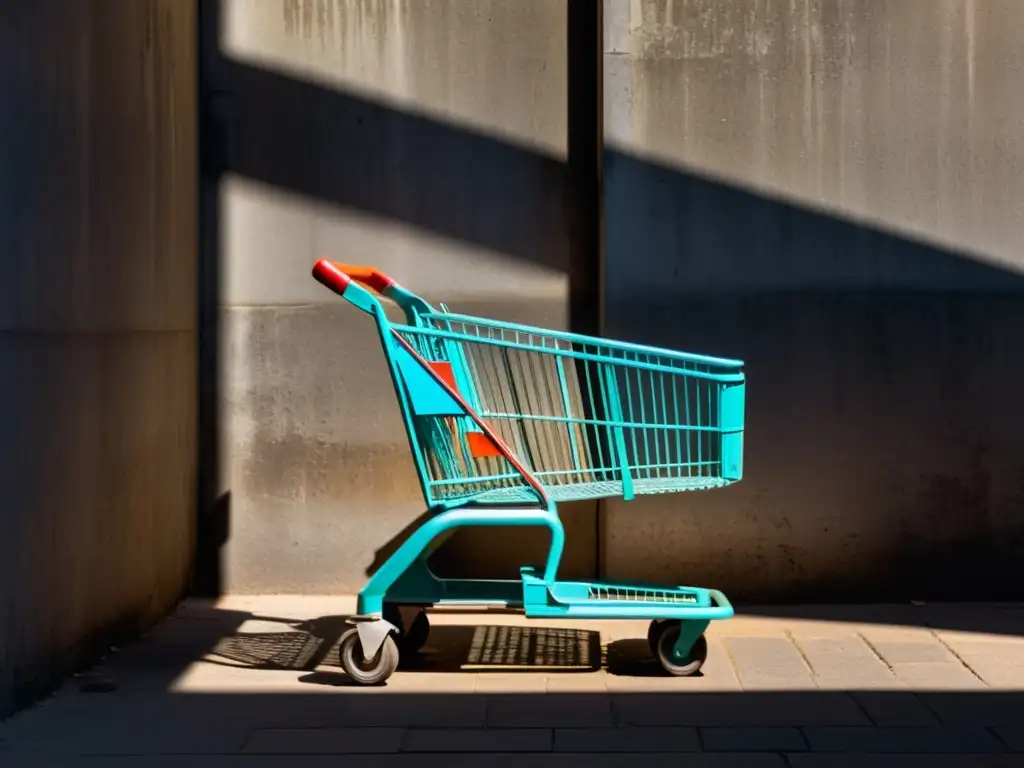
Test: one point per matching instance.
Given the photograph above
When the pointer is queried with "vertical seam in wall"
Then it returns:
(585, 129)
(600, 547)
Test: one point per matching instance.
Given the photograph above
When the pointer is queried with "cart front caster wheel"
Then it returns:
(673, 664)
(372, 672)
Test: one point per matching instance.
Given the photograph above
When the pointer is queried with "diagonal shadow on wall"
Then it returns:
(349, 151)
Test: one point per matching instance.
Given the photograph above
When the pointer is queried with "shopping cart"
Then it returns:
(506, 421)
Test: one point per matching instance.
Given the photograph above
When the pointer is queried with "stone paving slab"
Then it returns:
(845, 662)
(999, 663)
(329, 741)
(747, 709)
(939, 676)
(1012, 737)
(254, 681)
(479, 741)
(771, 663)
(988, 710)
(888, 740)
(927, 650)
(895, 708)
(732, 739)
(809, 760)
(666, 740)
(561, 711)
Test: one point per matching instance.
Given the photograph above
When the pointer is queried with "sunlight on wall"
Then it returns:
(905, 116)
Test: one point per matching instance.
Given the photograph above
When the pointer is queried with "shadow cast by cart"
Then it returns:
(313, 646)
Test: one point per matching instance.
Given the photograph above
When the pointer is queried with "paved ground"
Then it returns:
(253, 682)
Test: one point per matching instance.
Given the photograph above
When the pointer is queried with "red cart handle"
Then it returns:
(337, 276)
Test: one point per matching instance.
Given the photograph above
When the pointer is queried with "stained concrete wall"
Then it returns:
(825, 188)
(830, 190)
(97, 326)
(427, 138)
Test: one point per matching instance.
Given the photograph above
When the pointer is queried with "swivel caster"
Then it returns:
(364, 671)
(671, 662)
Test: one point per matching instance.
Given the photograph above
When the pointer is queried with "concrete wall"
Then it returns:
(97, 326)
(831, 190)
(827, 189)
(425, 137)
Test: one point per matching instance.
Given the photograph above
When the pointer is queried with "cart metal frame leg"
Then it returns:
(405, 579)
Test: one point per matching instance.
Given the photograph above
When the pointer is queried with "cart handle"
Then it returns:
(340, 277)
(337, 277)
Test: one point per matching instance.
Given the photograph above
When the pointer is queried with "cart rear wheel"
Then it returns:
(372, 672)
(673, 664)
(411, 639)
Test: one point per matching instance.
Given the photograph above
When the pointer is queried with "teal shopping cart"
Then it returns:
(506, 421)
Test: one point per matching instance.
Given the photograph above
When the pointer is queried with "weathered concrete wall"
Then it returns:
(831, 190)
(425, 137)
(97, 326)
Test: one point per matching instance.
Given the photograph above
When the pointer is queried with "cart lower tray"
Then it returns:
(598, 600)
